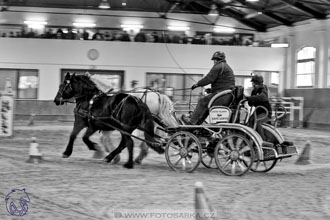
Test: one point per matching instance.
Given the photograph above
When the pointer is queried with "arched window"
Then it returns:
(306, 67)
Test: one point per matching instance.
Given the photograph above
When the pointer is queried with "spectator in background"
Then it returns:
(59, 34)
(140, 37)
(184, 38)
(97, 36)
(165, 38)
(85, 35)
(70, 35)
(236, 40)
(150, 38)
(125, 36)
(134, 84)
(208, 39)
(49, 33)
(31, 34)
(117, 36)
(11, 34)
(107, 36)
(78, 35)
(155, 36)
(18, 34)
(176, 39)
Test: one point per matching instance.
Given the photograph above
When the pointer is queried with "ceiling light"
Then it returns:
(132, 27)
(178, 28)
(104, 4)
(139, 26)
(35, 24)
(83, 24)
(252, 15)
(252, 0)
(224, 30)
(123, 3)
(280, 45)
(213, 11)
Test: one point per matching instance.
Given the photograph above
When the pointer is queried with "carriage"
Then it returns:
(225, 142)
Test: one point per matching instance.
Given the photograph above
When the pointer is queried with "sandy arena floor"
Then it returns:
(84, 188)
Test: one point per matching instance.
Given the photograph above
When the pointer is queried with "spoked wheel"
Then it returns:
(183, 152)
(234, 155)
(263, 166)
(266, 165)
(208, 159)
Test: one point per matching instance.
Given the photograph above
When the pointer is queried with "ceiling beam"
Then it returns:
(302, 7)
(239, 17)
(235, 15)
(267, 13)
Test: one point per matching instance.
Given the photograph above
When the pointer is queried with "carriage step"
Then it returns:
(281, 151)
(269, 153)
(287, 151)
(287, 143)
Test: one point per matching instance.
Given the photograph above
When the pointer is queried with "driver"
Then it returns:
(221, 77)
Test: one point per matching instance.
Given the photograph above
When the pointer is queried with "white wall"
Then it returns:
(49, 56)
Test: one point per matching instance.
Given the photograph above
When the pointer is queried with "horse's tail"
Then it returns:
(148, 128)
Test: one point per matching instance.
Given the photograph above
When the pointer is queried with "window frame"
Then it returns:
(18, 73)
(185, 88)
(306, 60)
(121, 73)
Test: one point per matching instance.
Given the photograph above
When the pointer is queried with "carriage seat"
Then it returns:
(220, 114)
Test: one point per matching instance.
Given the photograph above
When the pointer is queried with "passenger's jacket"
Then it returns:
(259, 96)
(221, 77)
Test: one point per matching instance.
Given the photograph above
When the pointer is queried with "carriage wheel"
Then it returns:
(263, 166)
(208, 159)
(234, 155)
(183, 152)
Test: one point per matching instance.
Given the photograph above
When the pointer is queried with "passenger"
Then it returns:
(259, 97)
(221, 77)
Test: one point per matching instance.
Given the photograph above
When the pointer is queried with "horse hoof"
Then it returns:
(138, 161)
(116, 159)
(128, 165)
(65, 156)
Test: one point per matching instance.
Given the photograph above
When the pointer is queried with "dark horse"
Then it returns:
(98, 111)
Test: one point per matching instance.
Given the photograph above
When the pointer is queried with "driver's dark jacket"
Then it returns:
(221, 77)
(259, 96)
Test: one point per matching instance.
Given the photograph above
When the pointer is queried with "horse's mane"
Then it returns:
(87, 84)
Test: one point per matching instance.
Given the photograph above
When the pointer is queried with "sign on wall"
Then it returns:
(7, 110)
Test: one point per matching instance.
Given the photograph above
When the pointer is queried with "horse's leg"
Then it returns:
(77, 127)
(129, 144)
(92, 145)
(143, 153)
(105, 140)
(143, 147)
(118, 150)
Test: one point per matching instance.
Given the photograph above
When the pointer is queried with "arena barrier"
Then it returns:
(294, 108)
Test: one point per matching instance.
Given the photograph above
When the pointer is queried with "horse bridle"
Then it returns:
(68, 83)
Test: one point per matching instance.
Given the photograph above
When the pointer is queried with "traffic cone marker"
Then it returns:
(203, 209)
(304, 157)
(34, 154)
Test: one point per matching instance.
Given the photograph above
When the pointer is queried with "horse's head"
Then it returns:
(75, 86)
(65, 90)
